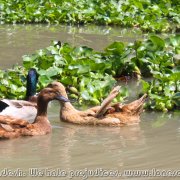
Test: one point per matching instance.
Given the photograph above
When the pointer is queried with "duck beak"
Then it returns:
(62, 99)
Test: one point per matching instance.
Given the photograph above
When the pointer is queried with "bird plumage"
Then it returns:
(13, 127)
(100, 115)
(23, 109)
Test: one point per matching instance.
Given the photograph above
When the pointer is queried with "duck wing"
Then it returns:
(8, 120)
(16, 103)
(107, 101)
(11, 127)
(18, 109)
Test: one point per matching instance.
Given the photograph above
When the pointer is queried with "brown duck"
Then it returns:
(107, 114)
(11, 127)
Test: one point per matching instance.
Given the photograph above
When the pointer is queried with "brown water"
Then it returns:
(152, 145)
(18, 40)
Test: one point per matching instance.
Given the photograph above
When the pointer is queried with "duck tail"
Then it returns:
(135, 107)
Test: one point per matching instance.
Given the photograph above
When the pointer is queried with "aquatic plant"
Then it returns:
(89, 75)
(164, 88)
(148, 15)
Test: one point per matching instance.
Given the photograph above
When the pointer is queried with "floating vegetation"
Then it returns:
(89, 75)
(148, 15)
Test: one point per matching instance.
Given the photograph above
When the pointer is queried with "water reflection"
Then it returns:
(99, 140)
(155, 143)
(69, 146)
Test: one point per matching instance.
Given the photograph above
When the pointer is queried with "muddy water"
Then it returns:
(16, 41)
(69, 151)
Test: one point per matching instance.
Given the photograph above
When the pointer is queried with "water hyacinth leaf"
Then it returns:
(45, 63)
(176, 99)
(28, 62)
(53, 50)
(21, 90)
(177, 50)
(41, 52)
(155, 17)
(1, 74)
(44, 80)
(138, 45)
(27, 58)
(82, 51)
(85, 95)
(91, 88)
(94, 101)
(59, 60)
(5, 82)
(83, 69)
(66, 80)
(52, 71)
(145, 86)
(92, 73)
(174, 40)
(116, 48)
(155, 43)
(157, 97)
(175, 76)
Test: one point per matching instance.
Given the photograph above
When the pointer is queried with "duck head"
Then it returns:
(49, 94)
(32, 79)
(44, 97)
(60, 88)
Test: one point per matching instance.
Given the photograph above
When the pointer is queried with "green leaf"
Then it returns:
(176, 98)
(145, 86)
(85, 95)
(116, 48)
(52, 71)
(157, 43)
(44, 80)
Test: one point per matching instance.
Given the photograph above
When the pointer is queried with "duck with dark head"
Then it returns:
(23, 109)
(11, 127)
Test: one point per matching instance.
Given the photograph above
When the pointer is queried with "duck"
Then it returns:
(11, 127)
(107, 114)
(23, 109)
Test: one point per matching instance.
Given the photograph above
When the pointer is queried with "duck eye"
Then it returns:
(50, 92)
(57, 93)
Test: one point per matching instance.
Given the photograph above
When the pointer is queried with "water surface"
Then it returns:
(153, 144)
(18, 40)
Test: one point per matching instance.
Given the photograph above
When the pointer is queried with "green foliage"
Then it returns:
(150, 15)
(86, 73)
(164, 89)
(12, 83)
(90, 75)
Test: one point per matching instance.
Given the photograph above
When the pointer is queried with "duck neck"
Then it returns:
(41, 110)
(67, 106)
(31, 91)
(31, 86)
